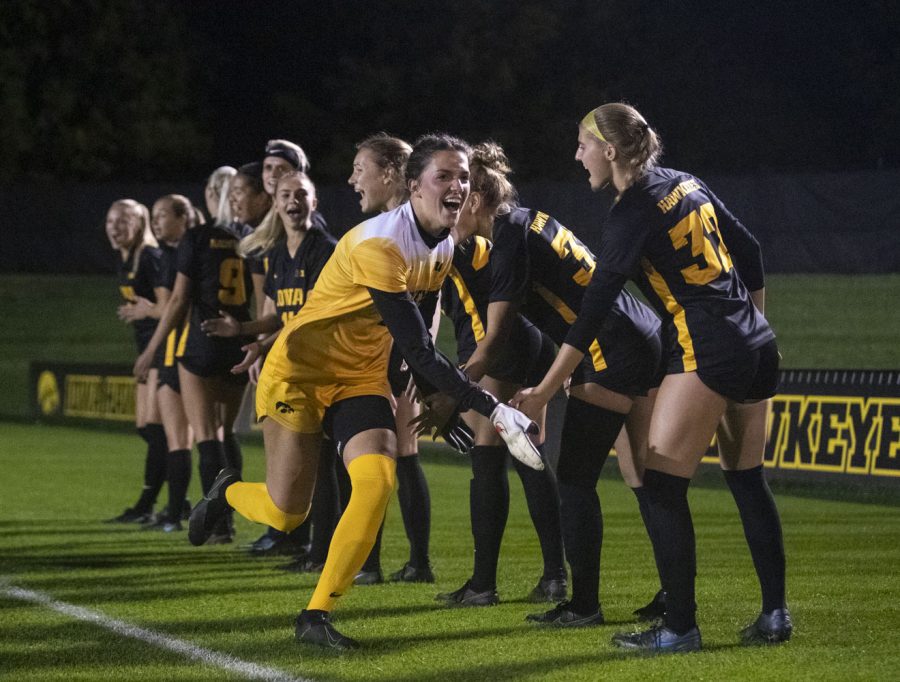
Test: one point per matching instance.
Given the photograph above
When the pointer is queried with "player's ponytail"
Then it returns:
(488, 168)
(266, 235)
(218, 185)
(621, 125)
(389, 152)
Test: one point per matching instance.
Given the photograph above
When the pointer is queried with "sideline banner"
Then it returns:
(831, 423)
(836, 422)
(98, 393)
(62, 392)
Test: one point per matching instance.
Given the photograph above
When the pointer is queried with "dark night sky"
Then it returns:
(732, 87)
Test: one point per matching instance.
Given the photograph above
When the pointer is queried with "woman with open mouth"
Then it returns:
(379, 178)
(702, 271)
(541, 270)
(295, 251)
(129, 232)
(327, 372)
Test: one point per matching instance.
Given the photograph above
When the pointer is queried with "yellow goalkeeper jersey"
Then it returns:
(338, 337)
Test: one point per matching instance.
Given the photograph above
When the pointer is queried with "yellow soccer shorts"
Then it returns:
(299, 406)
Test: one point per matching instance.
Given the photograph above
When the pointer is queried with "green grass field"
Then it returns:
(58, 482)
(821, 321)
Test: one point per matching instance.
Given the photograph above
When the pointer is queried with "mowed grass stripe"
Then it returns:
(252, 671)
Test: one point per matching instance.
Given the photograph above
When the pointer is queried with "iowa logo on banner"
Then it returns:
(63, 392)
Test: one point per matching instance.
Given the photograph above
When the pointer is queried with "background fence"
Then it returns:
(806, 223)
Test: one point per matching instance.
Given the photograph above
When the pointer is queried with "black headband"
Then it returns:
(286, 153)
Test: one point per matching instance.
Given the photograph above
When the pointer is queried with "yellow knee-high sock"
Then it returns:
(373, 478)
(252, 501)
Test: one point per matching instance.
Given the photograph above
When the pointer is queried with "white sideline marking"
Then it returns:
(252, 671)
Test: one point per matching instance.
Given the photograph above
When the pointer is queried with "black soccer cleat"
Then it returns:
(551, 590)
(369, 578)
(466, 596)
(562, 616)
(314, 627)
(302, 564)
(769, 628)
(659, 640)
(132, 515)
(654, 610)
(207, 517)
(412, 574)
(275, 544)
(165, 523)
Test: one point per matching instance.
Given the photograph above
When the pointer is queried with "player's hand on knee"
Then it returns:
(437, 410)
(529, 401)
(515, 428)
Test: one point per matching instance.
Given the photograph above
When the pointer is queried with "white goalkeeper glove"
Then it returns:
(514, 427)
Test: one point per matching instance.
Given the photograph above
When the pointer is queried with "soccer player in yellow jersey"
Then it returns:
(328, 372)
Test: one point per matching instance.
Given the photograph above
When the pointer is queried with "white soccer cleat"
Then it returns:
(514, 427)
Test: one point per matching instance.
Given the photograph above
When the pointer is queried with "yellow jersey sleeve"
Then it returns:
(377, 263)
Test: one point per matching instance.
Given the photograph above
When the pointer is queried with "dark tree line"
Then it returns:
(167, 89)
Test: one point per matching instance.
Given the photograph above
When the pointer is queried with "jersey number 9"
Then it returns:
(232, 289)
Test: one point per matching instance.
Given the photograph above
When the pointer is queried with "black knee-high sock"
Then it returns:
(587, 437)
(345, 487)
(582, 527)
(673, 537)
(489, 509)
(144, 504)
(415, 507)
(373, 561)
(641, 494)
(301, 535)
(231, 449)
(324, 513)
(762, 528)
(178, 474)
(154, 465)
(542, 496)
(211, 462)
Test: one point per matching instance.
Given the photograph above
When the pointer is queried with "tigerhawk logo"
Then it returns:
(284, 408)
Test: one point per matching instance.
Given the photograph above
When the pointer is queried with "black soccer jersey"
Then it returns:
(168, 266)
(672, 235)
(539, 262)
(289, 280)
(466, 293)
(168, 269)
(138, 279)
(259, 265)
(207, 255)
